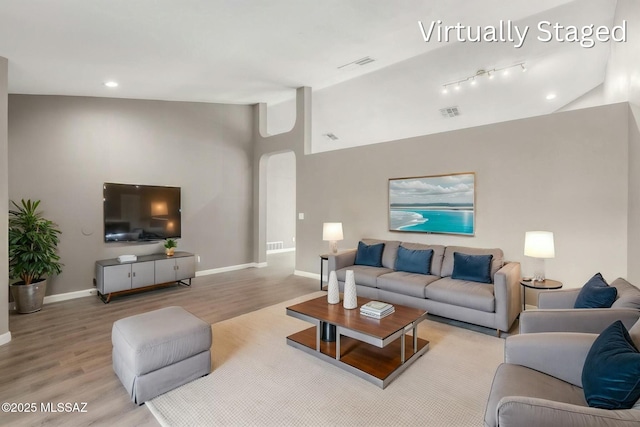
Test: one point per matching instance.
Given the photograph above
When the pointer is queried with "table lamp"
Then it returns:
(332, 231)
(539, 245)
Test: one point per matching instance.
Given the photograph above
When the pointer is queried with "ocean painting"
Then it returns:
(433, 204)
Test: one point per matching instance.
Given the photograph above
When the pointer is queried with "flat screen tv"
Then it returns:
(138, 213)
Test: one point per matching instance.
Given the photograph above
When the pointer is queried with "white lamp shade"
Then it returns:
(332, 231)
(539, 244)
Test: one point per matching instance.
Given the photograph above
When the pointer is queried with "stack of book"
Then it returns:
(376, 309)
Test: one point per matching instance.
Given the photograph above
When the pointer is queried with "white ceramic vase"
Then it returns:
(350, 297)
(333, 290)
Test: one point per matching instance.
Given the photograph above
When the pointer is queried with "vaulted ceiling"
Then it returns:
(249, 51)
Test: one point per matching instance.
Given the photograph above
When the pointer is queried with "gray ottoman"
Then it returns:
(160, 350)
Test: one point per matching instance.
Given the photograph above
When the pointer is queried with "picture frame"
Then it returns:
(442, 204)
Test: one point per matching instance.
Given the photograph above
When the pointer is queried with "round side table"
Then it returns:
(545, 284)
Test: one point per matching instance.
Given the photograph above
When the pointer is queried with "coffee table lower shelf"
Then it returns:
(377, 365)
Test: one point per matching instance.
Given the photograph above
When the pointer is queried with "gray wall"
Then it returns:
(4, 192)
(62, 149)
(566, 172)
(281, 199)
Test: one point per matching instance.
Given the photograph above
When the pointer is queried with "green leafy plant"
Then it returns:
(33, 244)
(170, 243)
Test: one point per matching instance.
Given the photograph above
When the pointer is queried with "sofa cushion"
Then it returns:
(370, 255)
(516, 380)
(413, 260)
(611, 372)
(475, 268)
(363, 274)
(596, 293)
(448, 261)
(405, 283)
(628, 295)
(436, 259)
(389, 253)
(463, 293)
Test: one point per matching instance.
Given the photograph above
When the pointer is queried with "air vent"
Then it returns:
(362, 61)
(450, 112)
(330, 136)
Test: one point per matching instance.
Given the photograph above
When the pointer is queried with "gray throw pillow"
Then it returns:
(628, 295)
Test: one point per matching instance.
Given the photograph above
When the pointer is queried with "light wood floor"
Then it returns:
(63, 353)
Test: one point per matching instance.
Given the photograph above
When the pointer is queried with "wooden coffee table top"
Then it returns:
(336, 314)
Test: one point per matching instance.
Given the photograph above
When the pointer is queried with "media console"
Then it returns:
(114, 278)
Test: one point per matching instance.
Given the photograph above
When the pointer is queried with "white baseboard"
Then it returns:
(5, 338)
(230, 268)
(70, 295)
(306, 274)
(279, 251)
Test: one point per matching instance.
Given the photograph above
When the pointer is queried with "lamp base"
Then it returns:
(333, 246)
(538, 272)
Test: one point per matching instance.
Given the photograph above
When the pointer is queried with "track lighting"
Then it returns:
(473, 80)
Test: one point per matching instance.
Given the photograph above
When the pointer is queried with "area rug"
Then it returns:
(258, 380)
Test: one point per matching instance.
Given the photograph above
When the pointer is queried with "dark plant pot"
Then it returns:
(29, 298)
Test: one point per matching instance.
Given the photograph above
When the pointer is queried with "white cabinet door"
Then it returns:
(117, 278)
(143, 274)
(165, 271)
(185, 267)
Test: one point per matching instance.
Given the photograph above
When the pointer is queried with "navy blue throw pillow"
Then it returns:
(414, 260)
(611, 372)
(370, 255)
(475, 268)
(596, 293)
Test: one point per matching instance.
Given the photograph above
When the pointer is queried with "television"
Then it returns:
(140, 213)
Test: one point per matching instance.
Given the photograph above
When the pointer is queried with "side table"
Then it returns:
(323, 257)
(545, 284)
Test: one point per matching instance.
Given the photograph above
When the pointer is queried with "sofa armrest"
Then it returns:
(342, 260)
(565, 298)
(586, 320)
(506, 289)
(558, 354)
(518, 411)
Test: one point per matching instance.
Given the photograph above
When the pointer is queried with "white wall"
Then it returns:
(634, 195)
(62, 149)
(565, 172)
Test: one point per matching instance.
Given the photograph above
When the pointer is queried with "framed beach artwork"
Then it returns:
(433, 204)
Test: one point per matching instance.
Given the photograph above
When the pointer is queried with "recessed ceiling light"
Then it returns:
(111, 83)
(551, 96)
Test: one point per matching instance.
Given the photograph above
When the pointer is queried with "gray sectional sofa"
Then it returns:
(493, 305)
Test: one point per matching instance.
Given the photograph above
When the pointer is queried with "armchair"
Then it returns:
(555, 311)
(540, 384)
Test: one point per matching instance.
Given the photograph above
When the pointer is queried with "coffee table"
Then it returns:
(373, 349)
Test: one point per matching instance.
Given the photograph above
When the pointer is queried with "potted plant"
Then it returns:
(170, 246)
(33, 242)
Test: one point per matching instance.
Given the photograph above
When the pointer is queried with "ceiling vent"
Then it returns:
(450, 112)
(362, 61)
(330, 136)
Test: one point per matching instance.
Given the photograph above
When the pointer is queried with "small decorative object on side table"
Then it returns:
(546, 284)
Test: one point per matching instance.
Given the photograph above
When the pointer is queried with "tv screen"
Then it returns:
(135, 213)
